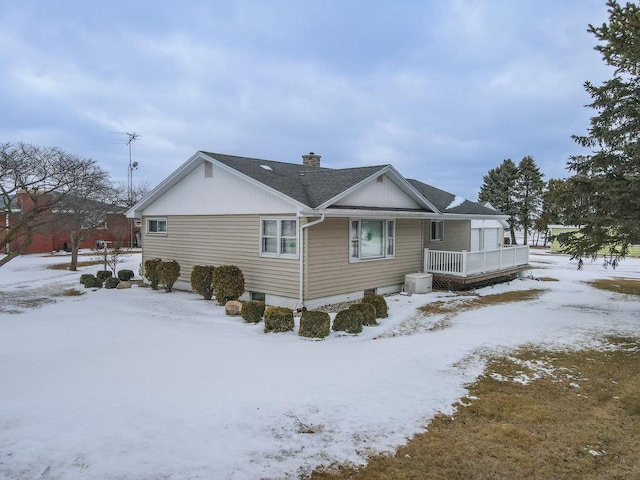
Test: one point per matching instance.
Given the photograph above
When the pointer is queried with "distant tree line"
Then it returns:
(515, 190)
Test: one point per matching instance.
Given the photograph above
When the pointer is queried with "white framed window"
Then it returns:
(157, 226)
(436, 231)
(371, 239)
(279, 237)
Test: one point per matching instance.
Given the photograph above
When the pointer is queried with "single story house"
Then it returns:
(634, 250)
(305, 235)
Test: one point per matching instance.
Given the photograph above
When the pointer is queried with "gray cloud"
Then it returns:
(442, 90)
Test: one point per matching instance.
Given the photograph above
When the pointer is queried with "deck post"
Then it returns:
(425, 261)
(464, 263)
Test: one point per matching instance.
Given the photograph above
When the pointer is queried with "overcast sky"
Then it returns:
(443, 90)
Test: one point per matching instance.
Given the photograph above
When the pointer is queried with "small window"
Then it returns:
(278, 237)
(208, 170)
(436, 230)
(157, 226)
(371, 239)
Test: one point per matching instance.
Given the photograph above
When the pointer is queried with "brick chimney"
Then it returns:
(311, 160)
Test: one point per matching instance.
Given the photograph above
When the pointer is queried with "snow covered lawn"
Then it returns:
(145, 384)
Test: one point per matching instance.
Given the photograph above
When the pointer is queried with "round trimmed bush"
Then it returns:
(278, 319)
(228, 283)
(202, 280)
(378, 301)
(111, 282)
(314, 324)
(93, 282)
(349, 321)
(368, 312)
(125, 275)
(252, 311)
(103, 274)
(152, 271)
(85, 276)
(169, 274)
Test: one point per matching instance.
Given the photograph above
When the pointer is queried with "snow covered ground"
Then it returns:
(138, 383)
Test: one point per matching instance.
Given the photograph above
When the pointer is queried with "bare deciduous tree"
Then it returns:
(86, 211)
(43, 176)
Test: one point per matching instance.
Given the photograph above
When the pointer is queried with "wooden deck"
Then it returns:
(455, 283)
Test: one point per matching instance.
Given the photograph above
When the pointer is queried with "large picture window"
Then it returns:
(372, 239)
(278, 237)
(157, 226)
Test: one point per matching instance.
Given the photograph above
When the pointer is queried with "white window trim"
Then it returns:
(441, 222)
(157, 219)
(278, 253)
(385, 248)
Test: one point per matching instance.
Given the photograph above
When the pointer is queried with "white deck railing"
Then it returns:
(464, 264)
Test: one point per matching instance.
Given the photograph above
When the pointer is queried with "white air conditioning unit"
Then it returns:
(418, 282)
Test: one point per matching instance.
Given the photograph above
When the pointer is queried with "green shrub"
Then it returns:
(278, 319)
(111, 282)
(169, 274)
(93, 282)
(103, 274)
(202, 280)
(85, 276)
(125, 275)
(380, 303)
(228, 283)
(314, 324)
(368, 312)
(152, 271)
(252, 311)
(349, 321)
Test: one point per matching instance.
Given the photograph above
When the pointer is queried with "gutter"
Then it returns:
(301, 282)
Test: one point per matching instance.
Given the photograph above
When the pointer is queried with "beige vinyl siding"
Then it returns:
(223, 240)
(456, 236)
(328, 271)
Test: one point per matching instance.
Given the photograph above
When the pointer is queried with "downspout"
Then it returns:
(302, 229)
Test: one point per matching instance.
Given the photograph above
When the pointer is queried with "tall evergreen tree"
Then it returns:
(498, 188)
(528, 194)
(607, 182)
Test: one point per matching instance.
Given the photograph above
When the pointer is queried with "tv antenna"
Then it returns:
(130, 138)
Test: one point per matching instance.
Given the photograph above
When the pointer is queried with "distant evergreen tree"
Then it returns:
(606, 184)
(528, 194)
(498, 188)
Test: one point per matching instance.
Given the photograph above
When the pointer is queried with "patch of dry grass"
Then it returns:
(547, 279)
(65, 266)
(618, 285)
(577, 417)
(70, 292)
(450, 307)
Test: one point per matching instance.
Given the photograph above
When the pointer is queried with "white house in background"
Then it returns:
(305, 235)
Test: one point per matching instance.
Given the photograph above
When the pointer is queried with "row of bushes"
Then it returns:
(315, 324)
(105, 278)
(226, 282)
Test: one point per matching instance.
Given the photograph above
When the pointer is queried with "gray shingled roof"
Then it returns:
(313, 186)
(442, 200)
